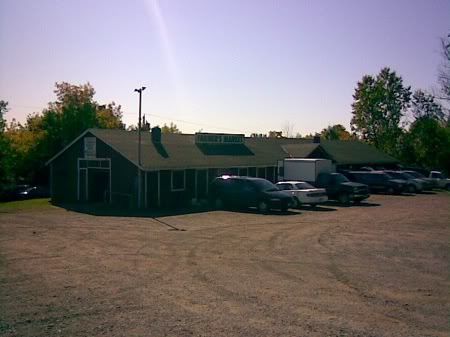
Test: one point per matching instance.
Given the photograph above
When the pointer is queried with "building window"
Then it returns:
(178, 180)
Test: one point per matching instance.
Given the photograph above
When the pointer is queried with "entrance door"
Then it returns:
(98, 185)
(83, 185)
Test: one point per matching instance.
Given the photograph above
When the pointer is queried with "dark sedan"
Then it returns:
(244, 192)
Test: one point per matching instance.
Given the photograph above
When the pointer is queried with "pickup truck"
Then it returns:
(440, 180)
(339, 188)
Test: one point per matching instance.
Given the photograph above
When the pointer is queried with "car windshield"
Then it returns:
(303, 186)
(408, 175)
(339, 178)
(416, 174)
(398, 175)
(389, 176)
(264, 185)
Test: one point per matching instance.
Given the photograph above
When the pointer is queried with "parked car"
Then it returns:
(413, 185)
(13, 192)
(303, 193)
(440, 180)
(429, 183)
(32, 192)
(338, 187)
(378, 181)
(244, 192)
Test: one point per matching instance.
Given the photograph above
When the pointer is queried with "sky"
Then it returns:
(235, 66)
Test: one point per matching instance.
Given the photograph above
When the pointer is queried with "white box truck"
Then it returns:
(303, 169)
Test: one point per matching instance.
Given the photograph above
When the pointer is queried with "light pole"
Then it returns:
(140, 90)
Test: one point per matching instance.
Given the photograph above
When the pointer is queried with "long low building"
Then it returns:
(103, 165)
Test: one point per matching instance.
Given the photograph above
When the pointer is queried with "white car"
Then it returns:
(303, 193)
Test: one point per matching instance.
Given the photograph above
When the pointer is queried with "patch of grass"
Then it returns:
(25, 205)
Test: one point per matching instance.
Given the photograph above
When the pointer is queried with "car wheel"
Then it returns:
(263, 206)
(344, 198)
(412, 189)
(390, 190)
(447, 187)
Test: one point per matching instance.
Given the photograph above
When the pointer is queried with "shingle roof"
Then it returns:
(355, 152)
(299, 150)
(180, 150)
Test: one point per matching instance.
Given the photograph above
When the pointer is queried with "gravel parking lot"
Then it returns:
(379, 269)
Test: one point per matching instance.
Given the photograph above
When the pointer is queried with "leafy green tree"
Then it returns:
(379, 104)
(425, 105)
(427, 144)
(44, 134)
(172, 128)
(335, 132)
(3, 110)
(5, 149)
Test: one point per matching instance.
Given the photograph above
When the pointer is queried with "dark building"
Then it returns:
(102, 165)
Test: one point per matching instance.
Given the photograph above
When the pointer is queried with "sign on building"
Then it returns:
(90, 148)
(218, 138)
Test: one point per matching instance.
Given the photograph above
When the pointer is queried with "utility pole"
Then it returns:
(140, 90)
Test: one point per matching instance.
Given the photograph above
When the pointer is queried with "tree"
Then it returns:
(444, 70)
(46, 133)
(288, 129)
(427, 144)
(335, 132)
(379, 104)
(425, 105)
(3, 111)
(172, 128)
(5, 149)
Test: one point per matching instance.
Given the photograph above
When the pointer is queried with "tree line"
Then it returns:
(414, 126)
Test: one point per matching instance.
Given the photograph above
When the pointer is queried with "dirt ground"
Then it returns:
(379, 269)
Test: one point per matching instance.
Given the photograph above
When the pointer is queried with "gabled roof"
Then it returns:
(347, 152)
(299, 150)
(181, 151)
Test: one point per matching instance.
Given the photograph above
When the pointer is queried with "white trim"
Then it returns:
(171, 181)
(86, 169)
(67, 146)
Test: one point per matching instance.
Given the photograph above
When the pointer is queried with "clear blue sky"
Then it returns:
(229, 65)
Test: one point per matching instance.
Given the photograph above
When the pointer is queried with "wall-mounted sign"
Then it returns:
(219, 138)
(90, 148)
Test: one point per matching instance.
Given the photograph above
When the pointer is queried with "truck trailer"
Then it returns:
(303, 169)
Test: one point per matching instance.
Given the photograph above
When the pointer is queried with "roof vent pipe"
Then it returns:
(156, 134)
